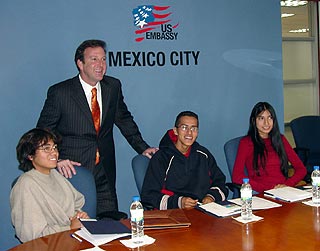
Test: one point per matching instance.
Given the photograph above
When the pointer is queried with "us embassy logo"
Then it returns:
(152, 22)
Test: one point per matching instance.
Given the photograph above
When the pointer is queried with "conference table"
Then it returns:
(293, 226)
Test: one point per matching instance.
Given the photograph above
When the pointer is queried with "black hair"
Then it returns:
(186, 113)
(29, 143)
(86, 44)
(259, 153)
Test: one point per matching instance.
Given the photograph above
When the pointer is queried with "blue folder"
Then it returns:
(105, 227)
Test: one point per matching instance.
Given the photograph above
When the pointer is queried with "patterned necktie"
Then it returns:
(95, 110)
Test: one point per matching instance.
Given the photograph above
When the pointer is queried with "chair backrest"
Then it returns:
(306, 133)
(84, 182)
(139, 167)
(230, 151)
(14, 182)
(9, 238)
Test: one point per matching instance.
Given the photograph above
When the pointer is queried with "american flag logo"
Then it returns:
(150, 17)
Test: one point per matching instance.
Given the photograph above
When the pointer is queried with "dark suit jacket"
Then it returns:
(67, 112)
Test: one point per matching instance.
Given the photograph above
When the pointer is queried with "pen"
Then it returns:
(271, 196)
(76, 237)
(236, 211)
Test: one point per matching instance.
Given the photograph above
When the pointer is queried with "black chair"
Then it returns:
(230, 151)
(139, 167)
(12, 239)
(306, 134)
(84, 182)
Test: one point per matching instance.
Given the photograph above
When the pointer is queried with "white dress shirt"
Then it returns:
(87, 90)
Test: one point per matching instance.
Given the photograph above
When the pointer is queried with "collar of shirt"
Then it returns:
(87, 91)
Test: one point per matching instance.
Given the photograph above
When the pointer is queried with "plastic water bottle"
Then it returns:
(246, 199)
(315, 178)
(137, 220)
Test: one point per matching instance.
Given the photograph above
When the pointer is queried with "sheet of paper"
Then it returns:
(310, 203)
(221, 210)
(92, 249)
(146, 240)
(254, 218)
(290, 194)
(258, 203)
(98, 239)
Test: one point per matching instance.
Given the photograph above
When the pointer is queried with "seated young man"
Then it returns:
(183, 172)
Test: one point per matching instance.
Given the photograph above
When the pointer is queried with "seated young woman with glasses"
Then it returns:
(182, 173)
(42, 201)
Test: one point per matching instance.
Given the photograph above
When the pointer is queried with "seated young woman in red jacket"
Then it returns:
(265, 155)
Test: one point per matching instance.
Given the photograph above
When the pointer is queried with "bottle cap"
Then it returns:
(316, 168)
(245, 180)
(136, 198)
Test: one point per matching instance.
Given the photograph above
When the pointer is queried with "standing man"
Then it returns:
(83, 110)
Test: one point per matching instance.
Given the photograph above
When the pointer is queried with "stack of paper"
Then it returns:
(98, 239)
(234, 206)
(102, 231)
(289, 194)
(258, 203)
(221, 210)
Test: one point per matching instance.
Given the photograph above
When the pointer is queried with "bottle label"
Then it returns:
(136, 215)
(246, 194)
(316, 181)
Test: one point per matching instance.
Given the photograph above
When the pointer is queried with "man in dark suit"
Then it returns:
(67, 111)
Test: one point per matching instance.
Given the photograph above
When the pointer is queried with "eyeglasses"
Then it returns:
(48, 148)
(186, 128)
